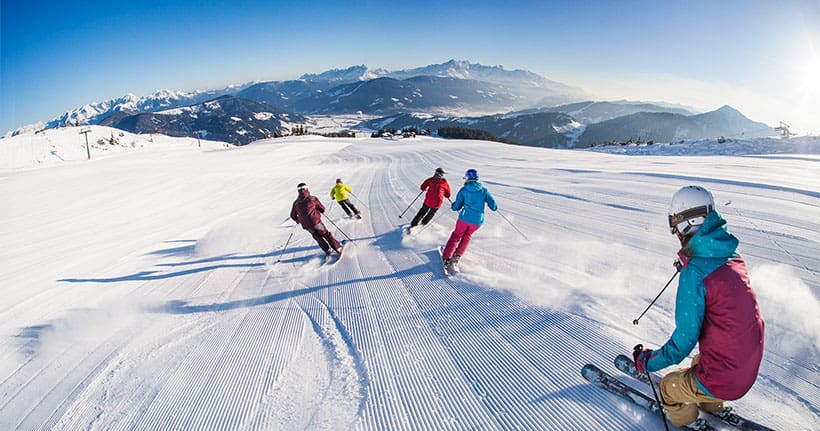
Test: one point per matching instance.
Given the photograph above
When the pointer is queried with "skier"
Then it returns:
(437, 189)
(469, 203)
(339, 193)
(715, 307)
(307, 210)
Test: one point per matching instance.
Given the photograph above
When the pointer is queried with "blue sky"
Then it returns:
(758, 56)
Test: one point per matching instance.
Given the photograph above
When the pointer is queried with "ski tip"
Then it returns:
(589, 369)
(622, 359)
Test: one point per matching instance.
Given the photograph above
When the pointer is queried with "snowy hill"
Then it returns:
(805, 145)
(66, 145)
(152, 288)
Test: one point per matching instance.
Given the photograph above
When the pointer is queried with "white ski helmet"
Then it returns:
(689, 208)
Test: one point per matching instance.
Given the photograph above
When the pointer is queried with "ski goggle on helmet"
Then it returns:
(689, 208)
(471, 174)
(301, 186)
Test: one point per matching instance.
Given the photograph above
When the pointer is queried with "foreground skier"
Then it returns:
(715, 307)
(307, 211)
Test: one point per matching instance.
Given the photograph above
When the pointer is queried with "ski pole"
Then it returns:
(360, 201)
(411, 204)
(658, 399)
(678, 267)
(337, 227)
(511, 224)
(286, 245)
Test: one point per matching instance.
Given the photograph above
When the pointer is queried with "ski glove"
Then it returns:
(641, 357)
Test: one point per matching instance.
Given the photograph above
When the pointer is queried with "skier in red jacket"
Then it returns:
(437, 189)
(307, 211)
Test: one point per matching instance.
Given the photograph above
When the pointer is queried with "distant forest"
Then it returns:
(465, 133)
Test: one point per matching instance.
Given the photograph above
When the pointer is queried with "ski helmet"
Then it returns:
(689, 208)
(338, 180)
(471, 174)
(301, 186)
(440, 171)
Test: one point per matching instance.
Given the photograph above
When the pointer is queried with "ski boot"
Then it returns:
(699, 425)
(454, 263)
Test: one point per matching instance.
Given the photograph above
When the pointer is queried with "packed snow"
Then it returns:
(161, 284)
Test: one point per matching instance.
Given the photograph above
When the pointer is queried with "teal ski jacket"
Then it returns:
(470, 202)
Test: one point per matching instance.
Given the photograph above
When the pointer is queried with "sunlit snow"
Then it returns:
(150, 287)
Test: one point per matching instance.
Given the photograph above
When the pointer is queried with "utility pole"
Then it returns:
(86, 132)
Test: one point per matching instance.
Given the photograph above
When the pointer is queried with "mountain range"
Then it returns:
(671, 127)
(590, 123)
(227, 118)
(517, 105)
(94, 113)
(536, 129)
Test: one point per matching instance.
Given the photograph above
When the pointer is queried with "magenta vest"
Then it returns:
(731, 338)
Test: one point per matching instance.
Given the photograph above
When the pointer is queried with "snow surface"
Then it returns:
(149, 288)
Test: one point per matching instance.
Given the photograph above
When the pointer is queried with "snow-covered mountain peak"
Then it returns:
(350, 74)
(168, 94)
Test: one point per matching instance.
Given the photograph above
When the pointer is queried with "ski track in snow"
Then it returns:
(180, 317)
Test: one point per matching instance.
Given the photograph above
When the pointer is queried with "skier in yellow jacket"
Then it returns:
(339, 192)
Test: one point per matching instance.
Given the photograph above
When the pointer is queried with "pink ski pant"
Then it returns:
(459, 239)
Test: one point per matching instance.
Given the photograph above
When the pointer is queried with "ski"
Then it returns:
(728, 416)
(328, 258)
(606, 381)
(333, 259)
(447, 272)
(609, 383)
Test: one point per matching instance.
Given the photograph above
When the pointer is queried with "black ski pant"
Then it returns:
(424, 215)
(324, 238)
(348, 207)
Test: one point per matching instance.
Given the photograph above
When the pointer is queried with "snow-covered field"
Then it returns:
(143, 289)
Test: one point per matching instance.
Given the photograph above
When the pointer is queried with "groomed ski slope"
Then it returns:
(144, 290)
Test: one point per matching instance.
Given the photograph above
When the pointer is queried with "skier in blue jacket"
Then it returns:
(469, 202)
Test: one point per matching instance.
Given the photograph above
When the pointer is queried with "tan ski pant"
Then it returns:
(681, 396)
